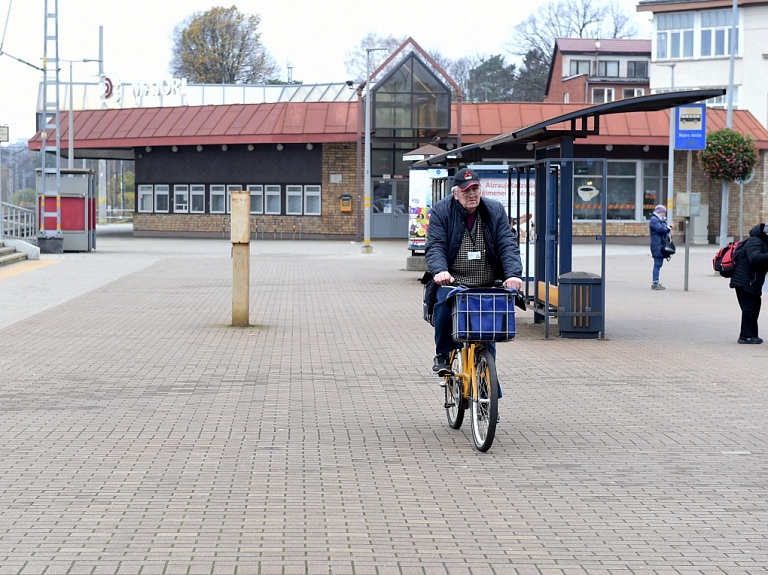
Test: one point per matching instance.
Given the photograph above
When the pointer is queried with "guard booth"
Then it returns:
(77, 206)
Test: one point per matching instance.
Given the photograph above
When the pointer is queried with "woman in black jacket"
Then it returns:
(748, 278)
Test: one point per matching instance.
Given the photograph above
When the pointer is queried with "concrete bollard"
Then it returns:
(240, 231)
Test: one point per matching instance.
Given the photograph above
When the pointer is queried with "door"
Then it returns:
(389, 209)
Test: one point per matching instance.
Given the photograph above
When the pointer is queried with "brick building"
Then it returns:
(589, 71)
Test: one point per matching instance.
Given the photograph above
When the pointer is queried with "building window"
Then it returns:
(722, 101)
(608, 68)
(716, 33)
(198, 199)
(312, 203)
(637, 69)
(218, 199)
(566, 98)
(230, 189)
(602, 95)
(654, 186)
(257, 199)
(273, 200)
(579, 67)
(146, 199)
(180, 199)
(162, 193)
(588, 188)
(632, 92)
(293, 200)
(674, 36)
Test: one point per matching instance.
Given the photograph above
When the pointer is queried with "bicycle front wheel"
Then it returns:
(485, 407)
(454, 402)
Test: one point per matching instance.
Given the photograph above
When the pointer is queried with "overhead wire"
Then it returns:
(5, 29)
(2, 42)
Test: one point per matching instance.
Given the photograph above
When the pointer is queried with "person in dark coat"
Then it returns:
(470, 243)
(660, 230)
(748, 277)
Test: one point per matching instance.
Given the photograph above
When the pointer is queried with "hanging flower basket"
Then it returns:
(729, 155)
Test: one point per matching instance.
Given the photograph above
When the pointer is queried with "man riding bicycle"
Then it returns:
(470, 243)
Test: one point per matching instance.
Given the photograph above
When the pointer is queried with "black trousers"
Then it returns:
(750, 311)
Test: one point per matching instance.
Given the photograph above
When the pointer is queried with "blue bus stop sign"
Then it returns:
(691, 127)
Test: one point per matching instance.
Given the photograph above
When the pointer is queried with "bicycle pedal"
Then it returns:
(447, 405)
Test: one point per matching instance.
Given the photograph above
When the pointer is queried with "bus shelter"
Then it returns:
(580, 306)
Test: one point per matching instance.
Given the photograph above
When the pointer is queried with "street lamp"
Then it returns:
(367, 248)
(71, 128)
(671, 156)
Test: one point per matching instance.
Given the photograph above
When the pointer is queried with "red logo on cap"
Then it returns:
(467, 175)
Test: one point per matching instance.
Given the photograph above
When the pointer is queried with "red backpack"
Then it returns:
(724, 261)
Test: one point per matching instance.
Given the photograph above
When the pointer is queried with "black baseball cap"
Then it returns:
(465, 178)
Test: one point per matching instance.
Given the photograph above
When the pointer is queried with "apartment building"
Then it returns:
(596, 71)
(690, 49)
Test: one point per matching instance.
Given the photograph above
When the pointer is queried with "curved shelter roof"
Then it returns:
(641, 120)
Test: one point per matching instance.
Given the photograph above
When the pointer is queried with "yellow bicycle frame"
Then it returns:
(467, 376)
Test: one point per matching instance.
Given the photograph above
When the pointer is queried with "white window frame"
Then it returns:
(634, 92)
(146, 191)
(293, 194)
(722, 101)
(675, 36)
(162, 190)
(606, 92)
(257, 192)
(218, 191)
(271, 192)
(180, 207)
(566, 98)
(712, 23)
(196, 191)
(313, 191)
(232, 188)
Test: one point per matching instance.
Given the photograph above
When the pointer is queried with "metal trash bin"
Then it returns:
(580, 311)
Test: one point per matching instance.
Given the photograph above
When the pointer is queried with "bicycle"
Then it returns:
(479, 315)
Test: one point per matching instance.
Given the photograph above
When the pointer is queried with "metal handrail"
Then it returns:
(18, 223)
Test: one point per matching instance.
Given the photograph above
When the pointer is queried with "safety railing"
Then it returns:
(17, 223)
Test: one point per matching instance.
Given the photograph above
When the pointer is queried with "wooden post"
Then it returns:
(241, 257)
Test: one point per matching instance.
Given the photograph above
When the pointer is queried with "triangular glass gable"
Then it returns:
(411, 102)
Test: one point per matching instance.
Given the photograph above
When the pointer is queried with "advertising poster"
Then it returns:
(419, 204)
(494, 185)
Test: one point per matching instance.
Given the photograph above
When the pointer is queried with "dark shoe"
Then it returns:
(750, 340)
(758, 339)
(657, 285)
(441, 367)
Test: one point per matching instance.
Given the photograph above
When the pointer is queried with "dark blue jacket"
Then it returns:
(751, 262)
(659, 231)
(447, 222)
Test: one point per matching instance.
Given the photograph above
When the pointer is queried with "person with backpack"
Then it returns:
(748, 277)
(660, 231)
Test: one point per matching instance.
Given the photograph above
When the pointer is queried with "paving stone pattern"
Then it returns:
(140, 434)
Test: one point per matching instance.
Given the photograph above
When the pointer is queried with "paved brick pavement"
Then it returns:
(141, 435)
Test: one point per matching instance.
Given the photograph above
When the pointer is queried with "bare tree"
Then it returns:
(221, 45)
(569, 19)
(357, 58)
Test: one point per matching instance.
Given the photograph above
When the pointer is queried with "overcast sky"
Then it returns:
(313, 35)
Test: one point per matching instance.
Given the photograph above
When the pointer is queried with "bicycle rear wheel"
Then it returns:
(484, 408)
(454, 402)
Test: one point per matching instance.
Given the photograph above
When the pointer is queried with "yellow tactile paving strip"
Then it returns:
(24, 266)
